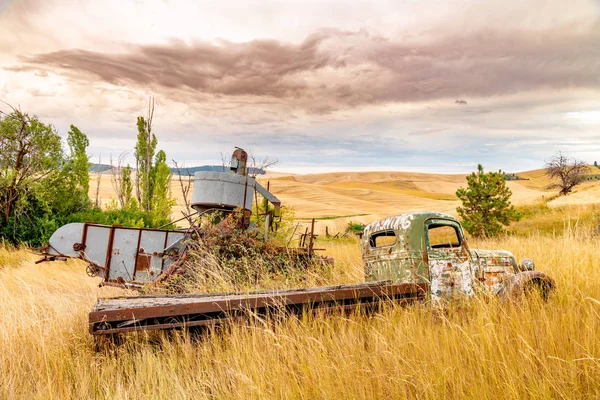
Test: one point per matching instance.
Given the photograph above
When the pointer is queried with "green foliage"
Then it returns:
(113, 215)
(144, 154)
(32, 191)
(154, 175)
(74, 178)
(355, 227)
(486, 206)
(162, 201)
(42, 187)
(130, 202)
(78, 161)
(282, 226)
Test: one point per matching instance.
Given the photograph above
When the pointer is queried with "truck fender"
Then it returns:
(516, 284)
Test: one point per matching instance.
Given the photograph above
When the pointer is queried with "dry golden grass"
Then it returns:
(485, 350)
(10, 257)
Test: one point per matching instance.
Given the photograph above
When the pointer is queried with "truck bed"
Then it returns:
(126, 314)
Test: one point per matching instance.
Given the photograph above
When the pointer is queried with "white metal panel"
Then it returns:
(151, 242)
(124, 249)
(96, 244)
(173, 238)
(61, 241)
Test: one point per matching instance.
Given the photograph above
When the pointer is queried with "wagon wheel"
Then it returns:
(91, 270)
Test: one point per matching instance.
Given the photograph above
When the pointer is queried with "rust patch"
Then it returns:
(143, 263)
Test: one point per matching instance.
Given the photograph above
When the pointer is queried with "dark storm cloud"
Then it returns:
(334, 69)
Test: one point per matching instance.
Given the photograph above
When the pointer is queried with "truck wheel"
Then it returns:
(525, 284)
(537, 287)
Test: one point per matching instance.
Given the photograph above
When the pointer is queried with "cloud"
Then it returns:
(335, 69)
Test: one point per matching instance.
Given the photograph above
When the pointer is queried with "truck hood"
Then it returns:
(495, 258)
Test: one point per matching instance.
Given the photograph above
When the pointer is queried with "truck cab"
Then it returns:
(431, 248)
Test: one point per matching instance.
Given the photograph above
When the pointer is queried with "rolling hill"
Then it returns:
(362, 197)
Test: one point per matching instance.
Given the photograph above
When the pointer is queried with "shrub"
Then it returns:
(486, 206)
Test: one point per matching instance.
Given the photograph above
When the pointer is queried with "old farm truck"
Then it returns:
(407, 258)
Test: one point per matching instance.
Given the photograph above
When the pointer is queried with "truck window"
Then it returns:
(381, 239)
(443, 236)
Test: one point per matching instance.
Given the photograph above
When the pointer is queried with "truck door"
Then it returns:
(450, 265)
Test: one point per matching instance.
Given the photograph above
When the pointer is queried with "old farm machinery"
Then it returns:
(411, 257)
(133, 257)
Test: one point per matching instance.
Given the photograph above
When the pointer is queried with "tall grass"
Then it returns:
(12, 256)
(487, 349)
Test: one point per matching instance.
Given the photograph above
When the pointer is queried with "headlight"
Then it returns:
(527, 265)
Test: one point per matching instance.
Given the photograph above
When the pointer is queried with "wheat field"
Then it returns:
(485, 350)
(335, 199)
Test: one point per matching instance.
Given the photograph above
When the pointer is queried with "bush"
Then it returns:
(355, 227)
(113, 215)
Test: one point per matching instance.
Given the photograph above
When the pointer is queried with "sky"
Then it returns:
(320, 85)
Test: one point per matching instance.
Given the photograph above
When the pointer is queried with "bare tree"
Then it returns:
(98, 178)
(148, 146)
(224, 162)
(568, 171)
(185, 186)
(117, 177)
(257, 166)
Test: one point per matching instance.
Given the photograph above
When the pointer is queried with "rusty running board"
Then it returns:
(127, 314)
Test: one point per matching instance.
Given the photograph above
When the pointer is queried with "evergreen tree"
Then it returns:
(486, 206)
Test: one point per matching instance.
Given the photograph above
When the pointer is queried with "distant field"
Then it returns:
(376, 194)
(337, 198)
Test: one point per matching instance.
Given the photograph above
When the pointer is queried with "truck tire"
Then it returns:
(525, 283)
(538, 287)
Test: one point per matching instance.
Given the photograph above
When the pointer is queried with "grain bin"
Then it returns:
(222, 191)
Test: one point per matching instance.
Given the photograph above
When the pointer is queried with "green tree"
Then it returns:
(144, 154)
(76, 170)
(486, 206)
(30, 160)
(154, 175)
(162, 201)
(127, 188)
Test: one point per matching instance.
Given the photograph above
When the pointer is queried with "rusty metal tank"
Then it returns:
(222, 191)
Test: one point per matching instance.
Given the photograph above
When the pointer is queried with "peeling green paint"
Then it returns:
(451, 272)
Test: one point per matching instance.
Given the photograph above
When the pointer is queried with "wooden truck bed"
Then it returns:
(126, 314)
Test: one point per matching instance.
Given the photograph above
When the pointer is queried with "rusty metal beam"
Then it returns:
(201, 307)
